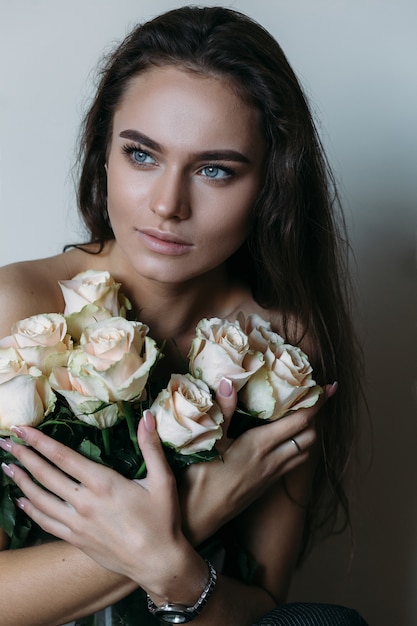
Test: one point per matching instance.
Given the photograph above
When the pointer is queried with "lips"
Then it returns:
(164, 242)
(164, 236)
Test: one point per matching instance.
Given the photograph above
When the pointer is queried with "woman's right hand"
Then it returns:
(215, 492)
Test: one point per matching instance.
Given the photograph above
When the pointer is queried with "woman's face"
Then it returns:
(184, 169)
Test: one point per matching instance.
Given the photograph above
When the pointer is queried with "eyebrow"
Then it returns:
(208, 155)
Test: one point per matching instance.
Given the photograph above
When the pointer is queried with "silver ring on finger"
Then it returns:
(296, 445)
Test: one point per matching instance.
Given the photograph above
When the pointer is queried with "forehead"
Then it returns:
(169, 103)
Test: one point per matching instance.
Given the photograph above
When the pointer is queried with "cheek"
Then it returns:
(233, 231)
(222, 242)
(122, 195)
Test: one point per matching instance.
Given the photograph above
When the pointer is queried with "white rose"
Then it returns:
(88, 400)
(79, 320)
(91, 287)
(221, 349)
(259, 332)
(111, 364)
(37, 337)
(186, 416)
(283, 384)
(25, 394)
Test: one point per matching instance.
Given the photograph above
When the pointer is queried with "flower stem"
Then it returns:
(130, 420)
(106, 440)
(141, 470)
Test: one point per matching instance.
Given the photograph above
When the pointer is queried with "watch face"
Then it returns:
(172, 616)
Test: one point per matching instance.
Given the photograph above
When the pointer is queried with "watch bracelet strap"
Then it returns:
(196, 609)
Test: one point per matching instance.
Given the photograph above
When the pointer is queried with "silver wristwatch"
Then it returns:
(170, 613)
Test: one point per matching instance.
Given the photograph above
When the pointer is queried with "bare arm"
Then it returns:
(269, 515)
(54, 583)
(28, 598)
(84, 523)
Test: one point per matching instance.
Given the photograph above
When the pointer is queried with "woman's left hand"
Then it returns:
(130, 527)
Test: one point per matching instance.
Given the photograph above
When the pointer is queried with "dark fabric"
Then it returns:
(311, 614)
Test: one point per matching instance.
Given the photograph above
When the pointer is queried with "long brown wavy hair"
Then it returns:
(295, 258)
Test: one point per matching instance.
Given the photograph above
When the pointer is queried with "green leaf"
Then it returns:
(21, 532)
(7, 510)
(178, 461)
(88, 449)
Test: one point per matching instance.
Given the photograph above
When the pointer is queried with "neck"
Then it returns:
(172, 311)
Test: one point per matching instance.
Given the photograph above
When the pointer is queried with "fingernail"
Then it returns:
(16, 430)
(5, 444)
(333, 389)
(20, 502)
(7, 469)
(225, 387)
(149, 421)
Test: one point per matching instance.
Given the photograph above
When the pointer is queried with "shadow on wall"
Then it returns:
(377, 574)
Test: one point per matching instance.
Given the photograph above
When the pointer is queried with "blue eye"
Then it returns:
(138, 156)
(216, 173)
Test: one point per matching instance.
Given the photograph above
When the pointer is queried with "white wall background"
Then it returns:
(358, 61)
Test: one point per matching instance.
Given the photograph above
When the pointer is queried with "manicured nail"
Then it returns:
(333, 389)
(16, 430)
(225, 387)
(5, 444)
(149, 421)
(20, 502)
(8, 470)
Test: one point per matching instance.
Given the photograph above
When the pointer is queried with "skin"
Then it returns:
(177, 214)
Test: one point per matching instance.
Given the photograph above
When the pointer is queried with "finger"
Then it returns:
(276, 436)
(51, 477)
(47, 523)
(301, 419)
(63, 457)
(305, 439)
(292, 453)
(330, 390)
(152, 450)
(302, 442)
(47, 510)
(226, 398)
(293, 463)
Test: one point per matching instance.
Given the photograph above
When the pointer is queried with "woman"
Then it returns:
(205, 192)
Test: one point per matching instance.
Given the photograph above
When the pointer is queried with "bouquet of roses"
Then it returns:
(85, 377)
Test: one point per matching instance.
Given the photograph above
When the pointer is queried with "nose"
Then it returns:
(170, 195)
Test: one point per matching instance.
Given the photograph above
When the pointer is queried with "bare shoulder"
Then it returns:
(31, 287)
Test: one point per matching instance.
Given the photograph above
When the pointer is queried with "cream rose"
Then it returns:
(221, 349)
(25, 394)
(37, 337)
(89, 314)
(187, 418)
(112, 363)
(91, 287)
(283, 384)
(259, 332)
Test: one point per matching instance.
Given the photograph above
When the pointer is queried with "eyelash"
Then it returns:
(129, 149)
(218, 166)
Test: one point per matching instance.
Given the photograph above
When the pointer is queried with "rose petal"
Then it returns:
(179, 417)
(20, 403)
(210, 362)
(91, 286)
(11, 364)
